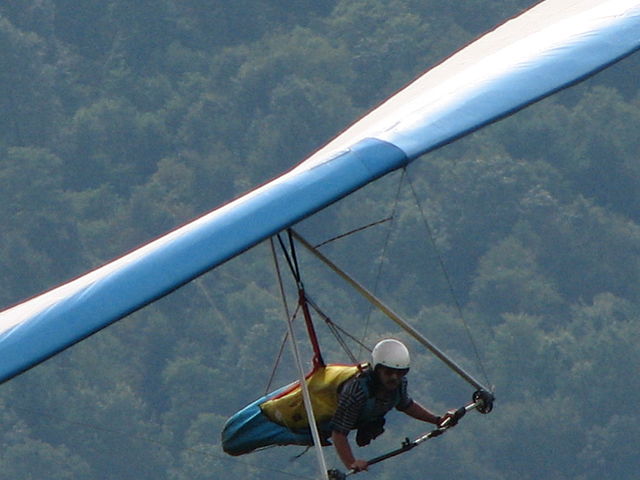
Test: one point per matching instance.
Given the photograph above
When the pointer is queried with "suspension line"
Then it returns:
(390, 313)
(306, 396)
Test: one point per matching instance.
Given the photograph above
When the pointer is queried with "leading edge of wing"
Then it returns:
(550, 46)
(39, 328)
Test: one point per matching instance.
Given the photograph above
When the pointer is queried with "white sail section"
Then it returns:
(552, 45)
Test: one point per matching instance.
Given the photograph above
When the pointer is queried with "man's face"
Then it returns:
(390, 377)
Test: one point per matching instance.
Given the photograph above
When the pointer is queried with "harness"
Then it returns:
(366, 380)
(370, 422)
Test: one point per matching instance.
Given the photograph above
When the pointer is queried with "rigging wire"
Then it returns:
(276, 363)
(391, 314)
(283, 296)
(355, 230)
(292, 258)
(448, 281)
(338, 332)
(198, 451)
(317, 359)
(382, 257)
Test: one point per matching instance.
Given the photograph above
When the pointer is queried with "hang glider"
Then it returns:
(551, 46)
(281, 418)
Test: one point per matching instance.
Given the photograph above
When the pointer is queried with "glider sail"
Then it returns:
(554, 44)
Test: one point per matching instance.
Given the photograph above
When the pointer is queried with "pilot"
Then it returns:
(365, 399)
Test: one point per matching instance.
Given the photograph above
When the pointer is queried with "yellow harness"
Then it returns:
(288, 408)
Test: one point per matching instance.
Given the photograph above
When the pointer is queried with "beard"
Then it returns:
(391, 384)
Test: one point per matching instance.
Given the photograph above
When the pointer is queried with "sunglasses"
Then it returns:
(388, 371)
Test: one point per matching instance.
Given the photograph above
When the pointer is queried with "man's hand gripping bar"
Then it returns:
(482, 402)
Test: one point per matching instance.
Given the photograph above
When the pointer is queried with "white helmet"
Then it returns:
(391, 353)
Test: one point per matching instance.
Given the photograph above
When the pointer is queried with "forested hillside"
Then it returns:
(123, 119)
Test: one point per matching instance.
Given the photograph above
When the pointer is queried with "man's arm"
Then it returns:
(341, 444)
(416, 410)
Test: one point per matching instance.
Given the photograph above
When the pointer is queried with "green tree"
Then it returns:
(144, 29)
(124, 119)
(384, 39)
(35, 459)
(36, 234)
(87, 27)
(510, 280)
(585, 248)
(109, 140)
(28, 110)
(605, 159)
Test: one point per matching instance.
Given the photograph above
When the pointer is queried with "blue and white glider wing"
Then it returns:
(555, 44)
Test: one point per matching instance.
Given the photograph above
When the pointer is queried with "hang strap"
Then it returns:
(303, 303)
(306, 396)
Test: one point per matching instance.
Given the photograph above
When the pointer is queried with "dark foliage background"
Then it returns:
(121, 119)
